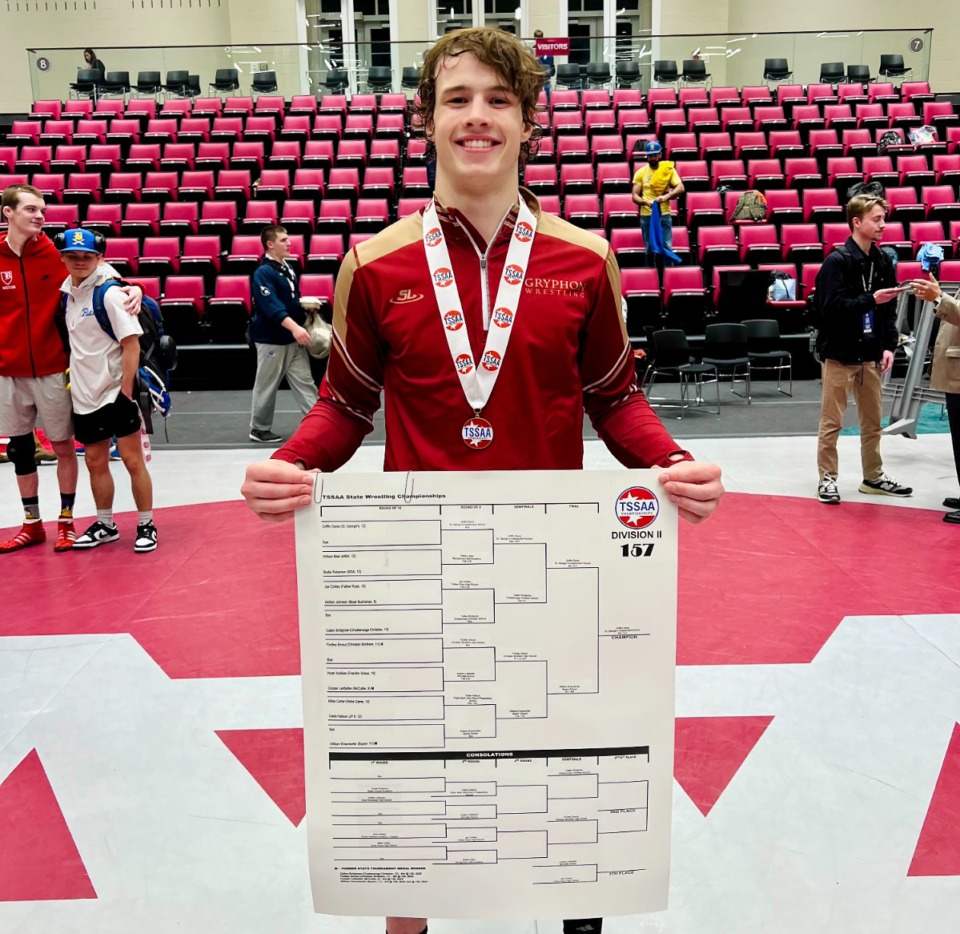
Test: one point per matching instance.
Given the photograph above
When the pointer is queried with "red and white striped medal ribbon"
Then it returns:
(477, 379)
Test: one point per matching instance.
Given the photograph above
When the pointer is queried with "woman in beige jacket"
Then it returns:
(946, 368)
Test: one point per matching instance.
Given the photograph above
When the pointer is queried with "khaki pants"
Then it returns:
(838, 380)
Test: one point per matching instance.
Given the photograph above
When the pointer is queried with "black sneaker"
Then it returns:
(264, 436)
(885, 486)
(98, 534)
(583, 926)
(146, 539)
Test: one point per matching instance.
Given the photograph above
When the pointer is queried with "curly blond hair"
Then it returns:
(496, 49)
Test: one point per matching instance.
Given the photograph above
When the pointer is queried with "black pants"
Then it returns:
(953, 417)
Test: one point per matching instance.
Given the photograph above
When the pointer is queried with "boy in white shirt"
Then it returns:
(103, 373)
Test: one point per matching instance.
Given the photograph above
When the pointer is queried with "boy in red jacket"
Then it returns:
(569, 352)
(32, 362)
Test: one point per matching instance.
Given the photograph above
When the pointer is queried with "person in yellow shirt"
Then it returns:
(657, 183)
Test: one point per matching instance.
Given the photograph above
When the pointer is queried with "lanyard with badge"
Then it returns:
(477, 382)
(868, 287)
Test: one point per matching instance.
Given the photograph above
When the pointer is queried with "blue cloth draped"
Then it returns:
(656, 240)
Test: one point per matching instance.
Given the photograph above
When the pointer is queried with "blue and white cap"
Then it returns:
(81, 241)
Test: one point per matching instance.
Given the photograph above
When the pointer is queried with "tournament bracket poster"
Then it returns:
(488, 684)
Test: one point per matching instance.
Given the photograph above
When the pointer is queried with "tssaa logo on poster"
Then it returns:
(636, 508)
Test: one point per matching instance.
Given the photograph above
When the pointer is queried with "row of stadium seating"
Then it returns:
(168, 167)
(141, 107)
(708, 119)
(747, 158)
(678, 132)
(128, 130)
(788, 95)
(99, 176)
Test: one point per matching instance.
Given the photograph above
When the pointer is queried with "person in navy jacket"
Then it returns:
(279, 336)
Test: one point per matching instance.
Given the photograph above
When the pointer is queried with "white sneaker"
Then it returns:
(885, 485)
(97, 534)
(827, 491)
(146, 539)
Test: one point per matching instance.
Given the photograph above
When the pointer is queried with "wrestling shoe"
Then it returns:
(952, 502)
(827, 491)
(146, 539)
(584, 926)
(885, 485)
(32, 533)
(97, 534)
(66, 536)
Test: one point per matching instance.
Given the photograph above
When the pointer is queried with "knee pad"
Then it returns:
(21, 450)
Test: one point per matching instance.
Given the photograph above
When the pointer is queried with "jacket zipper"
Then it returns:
(483, 257)
(26, 301)
(484, 285)
(485, 290)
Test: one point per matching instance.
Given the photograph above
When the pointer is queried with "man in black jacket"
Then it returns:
(857, 286)
(279, 336)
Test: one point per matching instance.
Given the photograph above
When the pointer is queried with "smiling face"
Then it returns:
(25, 216)
(477, 127)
